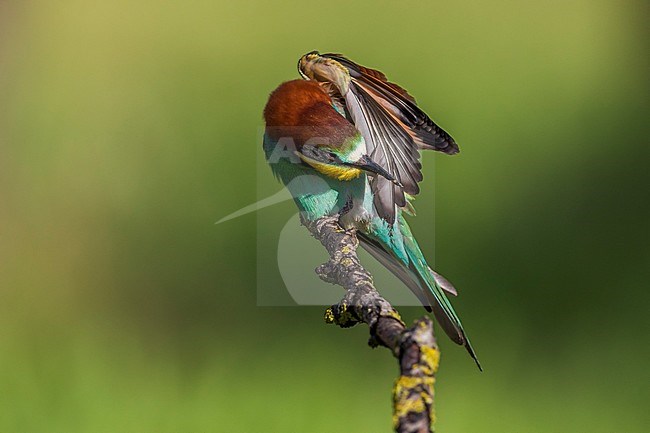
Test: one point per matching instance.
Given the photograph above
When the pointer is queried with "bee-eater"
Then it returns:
(345, 141)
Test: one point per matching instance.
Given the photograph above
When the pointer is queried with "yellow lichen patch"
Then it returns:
(405, 406)
(432, 413)
(430, 359)
(409, 383)
(406, 399)
(345, 317)
(347, 262)
(329, 316)
(395, 315)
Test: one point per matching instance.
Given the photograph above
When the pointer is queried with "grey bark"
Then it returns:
(414, 347)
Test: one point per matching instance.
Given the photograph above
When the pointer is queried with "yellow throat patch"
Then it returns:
(338, 172)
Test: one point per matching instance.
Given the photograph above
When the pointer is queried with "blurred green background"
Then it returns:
(128, 128)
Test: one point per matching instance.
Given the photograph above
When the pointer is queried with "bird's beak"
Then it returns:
(366, 164)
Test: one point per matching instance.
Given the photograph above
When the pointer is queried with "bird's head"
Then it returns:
(319, 136)
(345, 162)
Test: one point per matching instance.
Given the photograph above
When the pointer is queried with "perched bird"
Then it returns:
(346, 141)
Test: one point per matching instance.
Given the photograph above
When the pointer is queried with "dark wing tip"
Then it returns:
(435, 138)
(449, 147)
(470, 350)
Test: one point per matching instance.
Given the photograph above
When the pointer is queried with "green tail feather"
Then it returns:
(432, 294)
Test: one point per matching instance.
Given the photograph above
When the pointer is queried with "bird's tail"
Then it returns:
(425, 283)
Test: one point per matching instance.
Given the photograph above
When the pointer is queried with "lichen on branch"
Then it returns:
(414, 347)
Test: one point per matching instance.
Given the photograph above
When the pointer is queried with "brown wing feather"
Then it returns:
(398, 101)
(371, 72)
(389, 146)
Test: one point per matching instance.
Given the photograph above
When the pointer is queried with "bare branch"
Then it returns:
(414, 347)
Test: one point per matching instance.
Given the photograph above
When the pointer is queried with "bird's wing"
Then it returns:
(394, 129)
(399, 105)
(390, 147)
